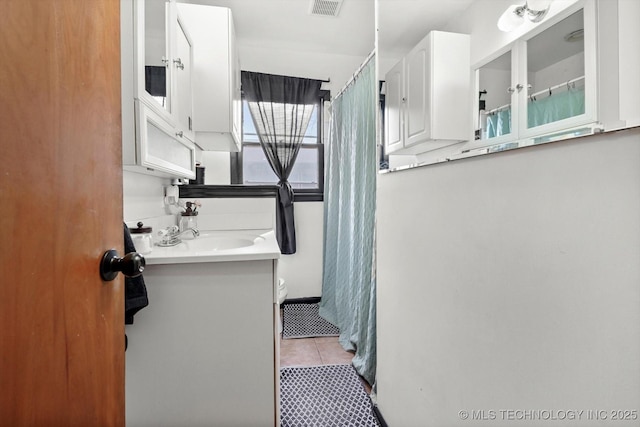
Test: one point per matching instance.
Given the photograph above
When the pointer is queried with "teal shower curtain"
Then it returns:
(558, 106)
(349, 285)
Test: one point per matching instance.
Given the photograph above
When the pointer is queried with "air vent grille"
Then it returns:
(325, 7)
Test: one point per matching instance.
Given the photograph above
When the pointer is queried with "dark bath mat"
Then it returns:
(303, 321)
(324, 396)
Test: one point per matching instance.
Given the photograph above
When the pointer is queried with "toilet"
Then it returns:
(282, 295)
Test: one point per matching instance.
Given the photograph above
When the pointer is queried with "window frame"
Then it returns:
(300, 194)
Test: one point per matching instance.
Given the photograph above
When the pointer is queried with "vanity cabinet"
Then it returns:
(157, 101)
(205, 351)
(427, 95)
(217, 119)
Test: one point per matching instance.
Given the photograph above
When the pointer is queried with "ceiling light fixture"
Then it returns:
(513, 17)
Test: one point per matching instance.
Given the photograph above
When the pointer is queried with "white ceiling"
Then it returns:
(403, 23)
(287, 24)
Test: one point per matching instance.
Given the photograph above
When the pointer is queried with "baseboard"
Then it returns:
(379, 416)
(306, 300)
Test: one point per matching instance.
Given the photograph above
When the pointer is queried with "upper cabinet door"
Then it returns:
(152, 42)
(560, 75)
(417, 79)
(183, 72)
(496, 119)
(217, 108)
(394, 105)
(163, 63)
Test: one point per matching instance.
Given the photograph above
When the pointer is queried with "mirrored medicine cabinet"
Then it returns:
(543, 83)
(157, 53)
(157, 74)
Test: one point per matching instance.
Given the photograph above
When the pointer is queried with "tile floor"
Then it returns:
(315, 351)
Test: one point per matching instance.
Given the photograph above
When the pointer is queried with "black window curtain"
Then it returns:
(281, 108)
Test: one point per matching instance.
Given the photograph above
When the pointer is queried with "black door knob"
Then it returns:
(131, 265)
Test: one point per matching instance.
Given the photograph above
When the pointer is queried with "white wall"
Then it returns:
(143, 196)
(511, 281)
(303, 270)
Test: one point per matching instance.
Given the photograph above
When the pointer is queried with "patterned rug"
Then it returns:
(324, 396)
(303, 321)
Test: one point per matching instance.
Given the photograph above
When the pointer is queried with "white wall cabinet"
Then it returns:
(157, 147)
(545, 83)
(427, 96)
(217, 119)
(163, 46)
(157, 105)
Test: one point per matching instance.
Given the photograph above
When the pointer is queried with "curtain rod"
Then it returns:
(358, 70)
(558, 86)
(548, 90)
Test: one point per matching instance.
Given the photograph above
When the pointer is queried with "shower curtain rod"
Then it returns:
(355, 74)
(543, 91)
(558, 86)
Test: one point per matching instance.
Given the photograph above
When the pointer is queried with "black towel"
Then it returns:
(155, 80)
(135, 292)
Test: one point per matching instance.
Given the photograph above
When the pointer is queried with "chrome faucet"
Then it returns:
(171, 235)
(194, 231)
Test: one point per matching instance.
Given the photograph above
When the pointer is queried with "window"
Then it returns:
(307, 177)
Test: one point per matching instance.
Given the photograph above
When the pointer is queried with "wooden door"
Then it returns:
(61, 327)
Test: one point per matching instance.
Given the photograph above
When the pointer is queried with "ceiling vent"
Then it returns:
(325, 7)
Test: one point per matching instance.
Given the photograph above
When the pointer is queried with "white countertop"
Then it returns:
(218, 246)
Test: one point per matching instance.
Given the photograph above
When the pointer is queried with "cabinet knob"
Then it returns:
(179, 134)
(178, 63)
(518, 87)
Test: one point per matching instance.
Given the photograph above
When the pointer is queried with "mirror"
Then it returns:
(529, 84)
(494, 98)
(556, 72)
(155, 51)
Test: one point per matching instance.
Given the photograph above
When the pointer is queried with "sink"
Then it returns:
(218, 246)
(217, 242)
